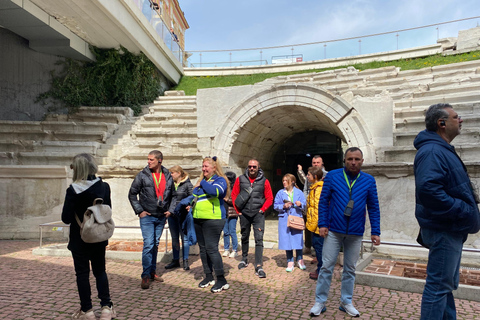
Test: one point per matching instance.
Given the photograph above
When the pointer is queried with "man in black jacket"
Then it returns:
(150, 196)
(252, 213)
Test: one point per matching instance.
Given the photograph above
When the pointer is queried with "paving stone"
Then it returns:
(43, 287)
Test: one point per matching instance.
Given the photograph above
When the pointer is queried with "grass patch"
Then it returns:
(191, 84)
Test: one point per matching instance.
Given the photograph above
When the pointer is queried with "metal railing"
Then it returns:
(153, 15)
(403, 244)
(60, 224)
(344, 47)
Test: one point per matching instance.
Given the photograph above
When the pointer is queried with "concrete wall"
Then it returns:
(24, 74)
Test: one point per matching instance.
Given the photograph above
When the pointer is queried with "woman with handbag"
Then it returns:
(86, 187)
(230, 229)
(290, 203)
(183, 189)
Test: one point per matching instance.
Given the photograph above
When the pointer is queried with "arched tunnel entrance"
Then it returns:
(300, 149)
(286, 124)
(285, 136)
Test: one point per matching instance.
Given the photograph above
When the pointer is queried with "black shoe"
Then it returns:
(206, 282)
(172, 265)
(259, 272)
(145, 283)
(220, 285)
(185, 265)
(243, 264)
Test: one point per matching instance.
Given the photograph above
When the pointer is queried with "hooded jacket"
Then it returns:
(142, 193)
(445, 199)
(79, 197)
(312, 206)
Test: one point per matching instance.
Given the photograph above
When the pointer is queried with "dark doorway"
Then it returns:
(300, 149)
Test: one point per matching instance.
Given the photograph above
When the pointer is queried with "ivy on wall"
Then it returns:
(117, 78)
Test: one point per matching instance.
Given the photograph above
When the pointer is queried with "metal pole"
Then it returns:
(397, 40)
(230, 59)
(261, 62)
(325, 51)
(359, 46)
(200, 60)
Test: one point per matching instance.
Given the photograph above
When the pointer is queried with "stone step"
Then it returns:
(470, 97)
(173, 109)
(469, 108)
(35, 158)
(126, 111)
(468, 136)
(54, 126)
(88, 117)
(159, 136)
(174, 123)
(168, 116)
(466, 152)
(418, 123)
(175, 101)
(36, 134)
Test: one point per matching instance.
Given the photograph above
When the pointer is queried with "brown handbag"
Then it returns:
(295, 222)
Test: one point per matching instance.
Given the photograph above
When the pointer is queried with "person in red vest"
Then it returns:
(251, 206)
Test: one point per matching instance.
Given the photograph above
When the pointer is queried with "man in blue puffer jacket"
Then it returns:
(446, 208)
(346, 194)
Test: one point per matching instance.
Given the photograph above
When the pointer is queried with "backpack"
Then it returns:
(97, 225)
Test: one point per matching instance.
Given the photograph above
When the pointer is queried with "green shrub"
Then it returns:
(117, 78)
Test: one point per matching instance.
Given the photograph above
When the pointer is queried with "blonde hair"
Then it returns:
(83, 165)
(178, 169)
(290, 177)
(218, 171)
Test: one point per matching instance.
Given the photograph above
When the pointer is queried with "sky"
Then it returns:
(242, 24)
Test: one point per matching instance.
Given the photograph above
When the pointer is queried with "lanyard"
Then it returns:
(157, 182)
(290, 195)
(350, 186)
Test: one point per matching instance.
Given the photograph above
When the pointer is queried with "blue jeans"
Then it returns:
(290, 255)
(230, 230)
(152, 228)
(351, 251)
(443, 275)
(317, 243)
(176, 231)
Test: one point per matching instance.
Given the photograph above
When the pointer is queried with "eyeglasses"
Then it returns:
(252, 167)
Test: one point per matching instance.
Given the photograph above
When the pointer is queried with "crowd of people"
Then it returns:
(329, 214)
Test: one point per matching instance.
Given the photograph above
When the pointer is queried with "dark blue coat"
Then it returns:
(444, 196)
(335, 197)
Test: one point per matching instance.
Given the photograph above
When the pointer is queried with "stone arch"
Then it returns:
(257, 125)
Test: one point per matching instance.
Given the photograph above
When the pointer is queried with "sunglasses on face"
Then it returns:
(252, 167)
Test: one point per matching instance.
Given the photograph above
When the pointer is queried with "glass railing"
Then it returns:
(154, 18)
(335, 48)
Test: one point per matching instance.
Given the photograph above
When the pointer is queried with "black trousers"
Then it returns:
(308, 235)
(81, 262)
(258, 223)
(208, 233)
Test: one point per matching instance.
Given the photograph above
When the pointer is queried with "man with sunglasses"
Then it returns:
(446, 208)
(256, 194)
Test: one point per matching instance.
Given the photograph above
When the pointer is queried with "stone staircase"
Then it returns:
(412, 91)
(118, 140)
(169, 125)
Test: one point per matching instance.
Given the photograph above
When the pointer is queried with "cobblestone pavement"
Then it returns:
(41, 287)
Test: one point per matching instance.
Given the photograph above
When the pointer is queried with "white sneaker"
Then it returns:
(233, 254)
(349, 309)
(317, 308)
(108, 313)
(226, 253)
(89, 315)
